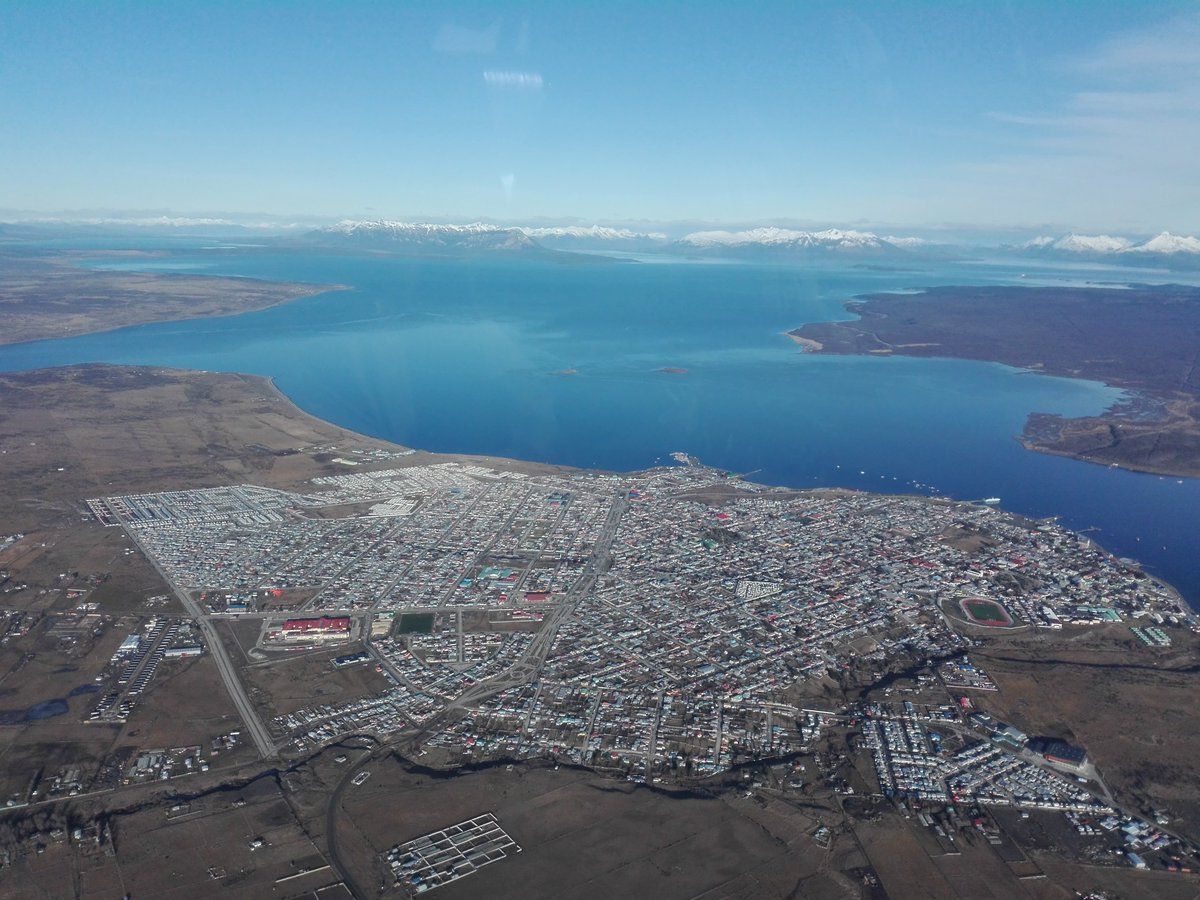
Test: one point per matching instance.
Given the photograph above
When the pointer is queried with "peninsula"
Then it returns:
(1143, 339)
(48, 296)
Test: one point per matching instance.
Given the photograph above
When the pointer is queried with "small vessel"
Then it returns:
(991, 501)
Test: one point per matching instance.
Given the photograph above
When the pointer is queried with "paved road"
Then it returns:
(258, 732)
(531, 661)
(331, 810)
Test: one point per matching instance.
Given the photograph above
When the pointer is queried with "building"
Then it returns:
(319, 624)
(1059, 751)
(320, 628)
(129, 645)
(381, 625)
(184, 651)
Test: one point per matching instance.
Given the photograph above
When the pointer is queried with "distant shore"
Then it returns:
(1140, 339)
(47, 298)
(806, 343)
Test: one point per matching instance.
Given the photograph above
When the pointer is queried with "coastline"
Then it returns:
(1155, 430)
(54, 299)
(418, 456)
(169, 411)
(807, 344)
(509, 464)
(210, 429)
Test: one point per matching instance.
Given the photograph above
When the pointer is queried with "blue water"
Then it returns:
(47, 709)
(466, 357)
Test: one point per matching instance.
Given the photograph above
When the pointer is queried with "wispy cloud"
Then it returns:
(1127, 135)
(529, 81)
(1171, 49)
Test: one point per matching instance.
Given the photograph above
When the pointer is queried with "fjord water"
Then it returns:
(564, 363)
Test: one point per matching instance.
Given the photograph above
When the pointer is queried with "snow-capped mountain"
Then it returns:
(592, 232)
(1079, 243)
(782, 237)
(1165, 249)
(387, 235)
(594, 237)
(910, 243)
(1167, 243)
(832, 241)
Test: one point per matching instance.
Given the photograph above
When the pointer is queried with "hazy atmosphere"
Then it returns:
(725, 450)
(1023, 113)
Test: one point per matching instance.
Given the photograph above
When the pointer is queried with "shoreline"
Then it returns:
(503, 462)
(1153, 430)
(508, 463)
(121, 299)
(317, 291)
(807, 344)
(244, 429)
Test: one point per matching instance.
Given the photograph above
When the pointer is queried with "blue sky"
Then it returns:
(1077, 114)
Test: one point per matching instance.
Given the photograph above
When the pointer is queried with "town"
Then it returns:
(662, 626)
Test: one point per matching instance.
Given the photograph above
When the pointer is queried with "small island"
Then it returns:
(1143, 339)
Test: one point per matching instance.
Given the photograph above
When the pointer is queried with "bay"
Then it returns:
(616, 365)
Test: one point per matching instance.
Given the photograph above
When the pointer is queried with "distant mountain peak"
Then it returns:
(1165, 249)
(592, 232)
(833, 240)
(384, 233)
(407, 229)
(1079, 243)
(1166, 242)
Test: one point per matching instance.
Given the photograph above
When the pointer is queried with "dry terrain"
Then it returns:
(47, 297)
(583, 835)
(1132, 707)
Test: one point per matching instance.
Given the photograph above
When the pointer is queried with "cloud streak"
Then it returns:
(529, 81)
(1127, 134)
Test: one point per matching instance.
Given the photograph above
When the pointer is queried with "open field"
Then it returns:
(184, 850)
(308, 677)
(1132, 708)
(584, 836)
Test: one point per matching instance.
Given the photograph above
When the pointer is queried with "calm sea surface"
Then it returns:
(469, 357)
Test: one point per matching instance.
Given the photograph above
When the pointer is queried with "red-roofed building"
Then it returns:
(324, 623)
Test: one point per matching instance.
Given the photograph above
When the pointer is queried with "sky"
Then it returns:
(1076, 114)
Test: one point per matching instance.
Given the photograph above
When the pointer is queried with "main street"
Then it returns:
(233, 684)
(530, 663)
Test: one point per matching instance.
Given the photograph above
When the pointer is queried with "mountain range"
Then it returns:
(1164, 250)
(787, 242)
(404, 237)
(399, 237)
(1104, 245)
